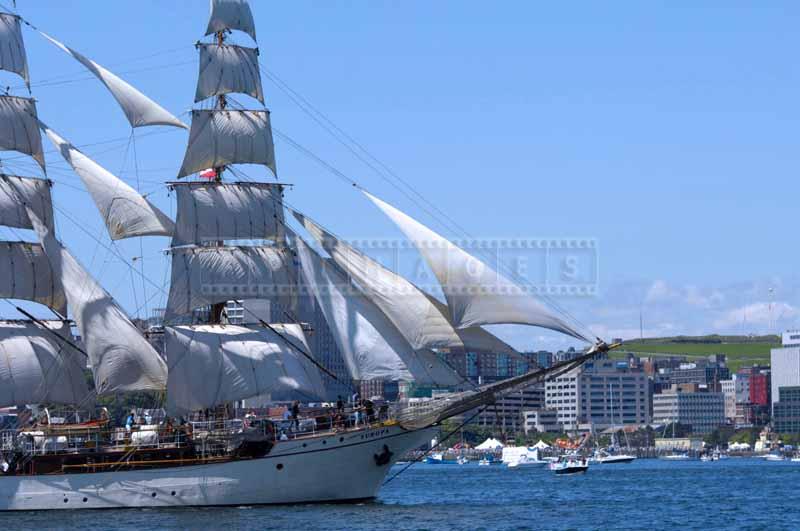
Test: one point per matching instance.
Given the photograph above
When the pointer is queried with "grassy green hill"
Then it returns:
(740, 350)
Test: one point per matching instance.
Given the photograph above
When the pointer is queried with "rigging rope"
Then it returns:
(383, 171)
(432, 448)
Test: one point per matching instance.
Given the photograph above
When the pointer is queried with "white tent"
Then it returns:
(541, 445)
(490, 444)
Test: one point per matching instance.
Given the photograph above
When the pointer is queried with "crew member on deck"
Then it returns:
(296, 415)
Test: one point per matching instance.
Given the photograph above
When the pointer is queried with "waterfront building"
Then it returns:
(702, 372)
(690, 405)
(542, 421)
(600, 394)
(507, 413)
(786, 411)
(785, 364)
(728, 389)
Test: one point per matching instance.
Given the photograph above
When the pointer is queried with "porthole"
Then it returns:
(173, 493)
(341, 439)
(85, 500)
(153, 495)
(304, 445)
(324, 442)
(65, 500)
(279, 466)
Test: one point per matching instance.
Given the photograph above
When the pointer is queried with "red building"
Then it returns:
(760, 388)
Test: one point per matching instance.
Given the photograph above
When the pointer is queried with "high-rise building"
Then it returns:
(786, 411)
(785, 365)
(600, 394)
(728, 389)
(689, 405)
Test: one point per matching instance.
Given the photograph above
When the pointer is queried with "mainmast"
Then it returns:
(222, 136)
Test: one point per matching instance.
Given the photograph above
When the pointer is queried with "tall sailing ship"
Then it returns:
(228, 231)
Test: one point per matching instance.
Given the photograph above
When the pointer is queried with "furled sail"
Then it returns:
(19, 127)
(209, 275)
(215, 364)
(228, 68)
(125, 212)
(475, 293)
(421, 323)
(37, 367)
(138, 108)
(371, 345)
(12, 48)
(120, 356)
(17, 194)
(228, 211)
(26, 274)
(230, 15)
(221, 137)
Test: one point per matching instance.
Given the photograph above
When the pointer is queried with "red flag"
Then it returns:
(210, 173)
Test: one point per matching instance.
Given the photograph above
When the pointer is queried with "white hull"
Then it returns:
(339, 467)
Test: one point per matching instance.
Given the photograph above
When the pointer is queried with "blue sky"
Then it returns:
(667, 132)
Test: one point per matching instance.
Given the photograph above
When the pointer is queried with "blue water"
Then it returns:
(647, 494)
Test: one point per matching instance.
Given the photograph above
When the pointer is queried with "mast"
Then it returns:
(216, 310)
(222, 136)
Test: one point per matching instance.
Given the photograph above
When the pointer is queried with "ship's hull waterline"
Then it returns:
(333, 468)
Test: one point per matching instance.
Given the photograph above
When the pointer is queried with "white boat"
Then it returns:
(229, 243)
(525, 461)
(774, 457)
(289, 474)
(612, 459)
(522, 456)
(675, 457)
(462, 460)
(570, 465)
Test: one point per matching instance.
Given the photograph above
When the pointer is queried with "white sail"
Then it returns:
(228, 68)
(120, 356)
(214, 364)
(125, 212)
(26, 274)
(476, 338)
(231, 15)
(19, 127)
(208, 275)
(371, 345)
(12, 48)
(476, 294)
(17, 194)
(421, 323)
(38, 367)
(228, 211)
(138, 108)
(221, 137)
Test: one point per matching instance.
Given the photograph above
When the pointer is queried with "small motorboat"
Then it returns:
(675, 457)
(526, 461)
(606, 458)
(570, 465)
(438, 459)
(774, 457)
(462, 460)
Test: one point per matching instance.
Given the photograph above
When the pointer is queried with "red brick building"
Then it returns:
(760, 388)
